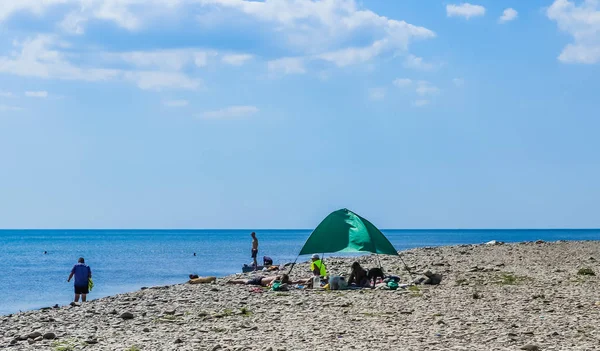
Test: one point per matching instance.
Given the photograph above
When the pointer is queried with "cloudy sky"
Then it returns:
(271, 114)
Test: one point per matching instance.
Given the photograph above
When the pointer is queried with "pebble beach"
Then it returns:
(523, 296)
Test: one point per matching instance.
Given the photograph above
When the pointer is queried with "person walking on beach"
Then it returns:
(254, 249)
(82, 273)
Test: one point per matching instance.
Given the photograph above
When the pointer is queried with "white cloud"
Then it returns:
(164, 59)
(418, 63)
(74, 23)
(6, 94)
(326, 29)
(169, 60)
(127, 14)
(176, 59)
(201, 57)
(421, 103)
(465, 10)
(40, 57)
(37, 94)
(402, 82)
(36, 7)
(156, 80)
(377, 94)
(311, 30)
(118, 12)
(287, 65)
(323, 30)
(4, 108)
(426, 88)
(236, 59)
(508, 15)
(352, 56)
(230, 112)
(421, 87)
(459, 82)
(319, 29)
(175, 103)
(582, 22)
(580, 53)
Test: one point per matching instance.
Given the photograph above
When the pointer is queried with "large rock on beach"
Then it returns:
(49, 336)
(34, 335)
(127, 315)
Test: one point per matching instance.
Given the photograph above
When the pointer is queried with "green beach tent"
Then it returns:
(345, 231)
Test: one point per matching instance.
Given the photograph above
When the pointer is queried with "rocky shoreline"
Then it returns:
(530, 296)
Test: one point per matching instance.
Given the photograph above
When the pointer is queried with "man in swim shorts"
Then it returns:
(82, 273)
(254, 249)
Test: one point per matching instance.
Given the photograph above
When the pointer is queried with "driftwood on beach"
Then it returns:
(535, 296)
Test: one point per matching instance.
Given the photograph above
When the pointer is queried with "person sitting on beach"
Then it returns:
(82, 273)
(358, 276)
(317, 267)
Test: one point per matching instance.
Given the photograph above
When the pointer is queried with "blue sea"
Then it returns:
(126, 260)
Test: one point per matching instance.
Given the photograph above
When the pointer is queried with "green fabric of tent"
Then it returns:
(345, 231)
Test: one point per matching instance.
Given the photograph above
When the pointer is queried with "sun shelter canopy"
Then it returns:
(345, 231)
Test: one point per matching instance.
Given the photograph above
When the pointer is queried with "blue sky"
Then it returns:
(271, 114)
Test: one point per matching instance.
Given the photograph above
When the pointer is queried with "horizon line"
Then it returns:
(273, 229)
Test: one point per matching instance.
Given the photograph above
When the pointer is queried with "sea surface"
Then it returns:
(126, 260)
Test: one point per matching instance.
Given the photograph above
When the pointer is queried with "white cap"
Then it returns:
(315, 256)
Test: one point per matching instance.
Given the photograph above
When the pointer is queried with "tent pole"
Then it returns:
(322, 260)
(379, 263)
(293, 264)
(405, 266)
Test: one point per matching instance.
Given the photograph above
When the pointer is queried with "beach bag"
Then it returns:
(337, 283)
(90, 284)
(279, 286)
(392, 285)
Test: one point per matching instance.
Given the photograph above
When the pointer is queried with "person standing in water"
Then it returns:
(254, 249)
(82, 273)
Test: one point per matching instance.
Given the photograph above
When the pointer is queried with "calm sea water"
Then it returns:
(126, 260)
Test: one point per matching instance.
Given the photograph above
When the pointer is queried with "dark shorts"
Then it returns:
(255, 281)
(254, 253)
(81, 289)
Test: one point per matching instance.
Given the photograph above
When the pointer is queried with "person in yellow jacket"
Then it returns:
(317, 266)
